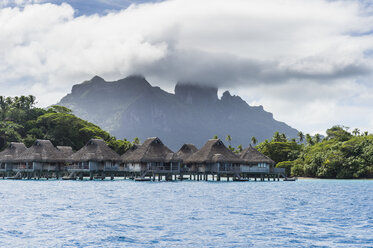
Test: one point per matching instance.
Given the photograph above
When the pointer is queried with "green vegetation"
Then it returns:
(254, 140)
(339, 155)
(20, 121)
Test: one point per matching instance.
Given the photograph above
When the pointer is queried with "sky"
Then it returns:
(307, 62)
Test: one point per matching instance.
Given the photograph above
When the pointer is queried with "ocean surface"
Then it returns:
(123, 213)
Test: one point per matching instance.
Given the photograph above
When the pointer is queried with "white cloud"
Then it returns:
(280, 46)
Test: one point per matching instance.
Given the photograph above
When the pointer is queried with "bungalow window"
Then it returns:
(110, 164)
(29, 165)
(262, 165)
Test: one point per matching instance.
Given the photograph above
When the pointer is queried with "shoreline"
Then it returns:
(317, 178)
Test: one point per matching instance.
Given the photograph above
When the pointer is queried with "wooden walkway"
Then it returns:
(148, 175)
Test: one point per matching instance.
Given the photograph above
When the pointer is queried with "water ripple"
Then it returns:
(306, 213)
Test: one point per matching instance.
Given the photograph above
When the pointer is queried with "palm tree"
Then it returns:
(300, 136)
(229, 139)
(366, 133)
(31, 101)
(317, 138)
(22, 102)
(239, 149)
(254, 140)
(309, 139)
(9, 101)
(356, 131)
(276, 137)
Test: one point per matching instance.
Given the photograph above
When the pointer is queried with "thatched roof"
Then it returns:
(95, 150)
(67, 151)
(130, 151)
(186, 150)
(41, 151)
(252, 155)
(213, 151)
(12, 151)
(152, 150)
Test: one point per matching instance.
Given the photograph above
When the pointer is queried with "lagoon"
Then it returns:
(124, 213)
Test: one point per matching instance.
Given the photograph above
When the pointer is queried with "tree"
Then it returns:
(287, 165)
(317, 138)
(300, 136)
(254, 140)
(356, 131)
(338, 132)
(239, 149)
(60, 109)
(309, 140)
(280, 151)
(215, 137)
(120, 146)
(276, 137)
(22, 122)
(136, 141)
(229, 139)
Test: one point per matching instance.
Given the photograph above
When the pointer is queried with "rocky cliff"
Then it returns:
(131, 107)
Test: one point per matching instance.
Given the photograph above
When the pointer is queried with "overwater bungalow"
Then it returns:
(152, 157)
(8, 156)
(185, 152)
(41, 156)
(214, 158)
(95, 156)
(257, 162)
(140, 162)
(67, 151)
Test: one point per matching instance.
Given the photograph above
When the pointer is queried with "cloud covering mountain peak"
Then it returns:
(238, 44)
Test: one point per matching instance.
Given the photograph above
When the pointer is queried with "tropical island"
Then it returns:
(341, 154)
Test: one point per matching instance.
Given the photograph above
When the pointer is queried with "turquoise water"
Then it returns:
(305, 213)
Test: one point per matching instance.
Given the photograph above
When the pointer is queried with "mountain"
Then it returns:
(131, 107)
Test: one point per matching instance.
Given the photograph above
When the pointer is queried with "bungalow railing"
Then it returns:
(78, 167)
(25, 167)
(279, 170)
(163, 168)
(111, 168)
(185, 169)
(254, 169)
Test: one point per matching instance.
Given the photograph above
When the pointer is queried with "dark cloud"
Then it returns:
(229, 70)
